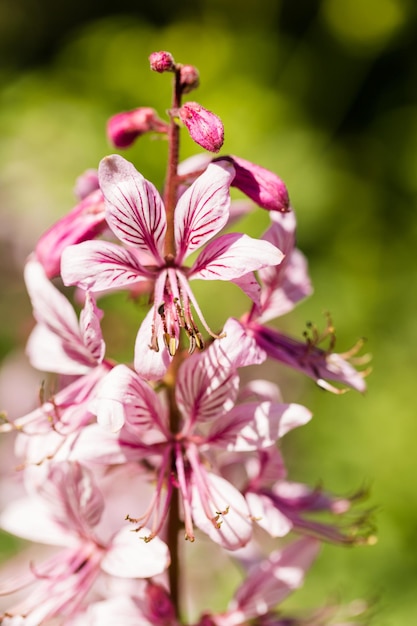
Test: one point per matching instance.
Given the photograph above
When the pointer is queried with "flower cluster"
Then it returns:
(118, 460)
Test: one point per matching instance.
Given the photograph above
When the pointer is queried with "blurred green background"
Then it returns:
(325, 94)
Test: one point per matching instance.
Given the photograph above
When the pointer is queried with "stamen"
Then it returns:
(186, 497)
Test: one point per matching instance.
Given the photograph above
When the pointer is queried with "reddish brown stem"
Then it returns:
(171, 181)
(170, 201)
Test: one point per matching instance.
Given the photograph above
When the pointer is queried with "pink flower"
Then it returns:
(205, 127)
(60, 343)
(267, 584)
(136, 214)
(282, 287)
(210, 420)
(66, 510)
(280, 506)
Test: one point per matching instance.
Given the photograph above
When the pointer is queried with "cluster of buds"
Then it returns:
(119, 460)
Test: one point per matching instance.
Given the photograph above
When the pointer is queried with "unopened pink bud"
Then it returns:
(205, 127)
(260, 185)
(189, 78)
(160, 608)
(162, 62)
(124, 128)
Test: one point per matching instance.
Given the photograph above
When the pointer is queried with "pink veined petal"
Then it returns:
(98, 445)
(90, 328)
(72, 497)
(129, 556)
(232, 528)
(267, 515)
(148, 363)
(50, 306)
(231, 256)
(281, 233)
(273, 580)
(207, 382)
(257, 425)
(294, 285)
(203, 209)
(47, 354)
(100, 266)
(57, 343)
(123, 394)
(195, 163)
(67, 410)
(206, 387)
(30, 519)
(250, 286)
(286, 284)
(237, 348)
(134, 209)
(260, 390)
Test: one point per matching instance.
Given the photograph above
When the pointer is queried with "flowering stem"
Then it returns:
(174, 523)
(173, 544)
(171, 182)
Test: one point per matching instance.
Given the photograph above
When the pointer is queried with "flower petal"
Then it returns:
(233, 527)
(268, 516)
(90, 328)
(273, 580)
(134, 209)
(257, 425)
(73, 498)
(231, 256)
(30, 519)
(262, 186)
(58, 343)
(207, 382)
(131, 557)
(203, 209)
(100, 266)
(150, 364)
(124, 396)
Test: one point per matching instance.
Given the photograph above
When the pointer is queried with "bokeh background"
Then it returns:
(324, 92)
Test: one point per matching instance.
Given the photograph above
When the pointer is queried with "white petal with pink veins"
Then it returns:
(267, 516)
(203, 209)
(129, 556)
(230, 524)
(149, 363)
(231, 256)
(134, 209)
(29, 518)
(100, 266)
(273, 579)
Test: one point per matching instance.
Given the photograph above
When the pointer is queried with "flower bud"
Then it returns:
(162, 62)
(189, 78)
(205, 127)
(260, 185)
(124, 128)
